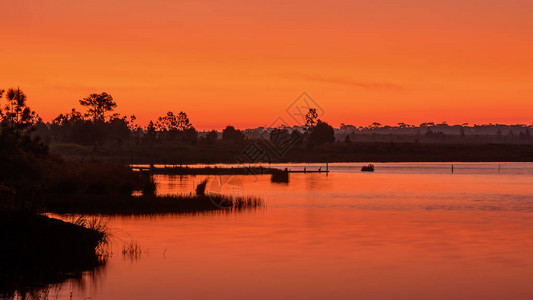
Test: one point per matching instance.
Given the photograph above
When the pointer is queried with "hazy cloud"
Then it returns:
(386, 86)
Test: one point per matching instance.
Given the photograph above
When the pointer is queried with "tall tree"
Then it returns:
(151, 132)
(16, 129)
(183, 122)
(1, 112)
(170, 122)
(311, 118)
(16, 102)
(18, 114)
(98, 105)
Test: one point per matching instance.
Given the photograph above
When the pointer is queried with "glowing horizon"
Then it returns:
(242, 63)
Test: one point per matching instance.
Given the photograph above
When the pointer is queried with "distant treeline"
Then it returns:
(99, 126)
(425, 132)
(97, 132)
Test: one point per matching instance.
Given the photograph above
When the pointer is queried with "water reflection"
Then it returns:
(54, 284)
(407, 231)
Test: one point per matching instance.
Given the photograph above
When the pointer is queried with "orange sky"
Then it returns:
(243, 62)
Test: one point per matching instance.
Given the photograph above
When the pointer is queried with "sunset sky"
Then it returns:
(244, 62)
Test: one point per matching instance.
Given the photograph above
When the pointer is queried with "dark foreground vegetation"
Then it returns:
(179, 204)
(33, 179)
(37, 250)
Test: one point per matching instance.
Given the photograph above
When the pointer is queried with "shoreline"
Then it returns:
(382, 152)
(223, 165)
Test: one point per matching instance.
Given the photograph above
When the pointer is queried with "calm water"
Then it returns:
(407, 231)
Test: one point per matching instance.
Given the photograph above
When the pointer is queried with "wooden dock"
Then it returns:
(180, 170)
(307, 171)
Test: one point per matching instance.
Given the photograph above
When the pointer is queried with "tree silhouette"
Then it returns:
(171, 122)
(151, 132)
(98, 105)
(71, 117)
(18, 115)
(322, 133)
(177, 127)
(183, 122)
(16, 103)
(1, 112)
(17, 125)
(231, 134)
(311, 118)
(405, 125)
(427, 124)
(211, 137)
(189, 135)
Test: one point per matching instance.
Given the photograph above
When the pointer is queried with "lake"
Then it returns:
(406, 231)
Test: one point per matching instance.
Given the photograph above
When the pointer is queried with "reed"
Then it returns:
(150, 204)
(132, 250)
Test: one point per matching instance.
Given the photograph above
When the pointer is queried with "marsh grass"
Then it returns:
(179, 170)
(93, 223)
(151, 204)
(132, 250)
(99, 225)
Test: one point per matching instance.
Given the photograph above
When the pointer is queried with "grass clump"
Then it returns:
(132, 250)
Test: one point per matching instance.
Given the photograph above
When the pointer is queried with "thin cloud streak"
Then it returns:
(376, 86)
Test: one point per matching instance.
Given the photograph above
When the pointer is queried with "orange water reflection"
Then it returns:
(348, 235)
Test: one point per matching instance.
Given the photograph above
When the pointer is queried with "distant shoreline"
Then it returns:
(266, 165)
(360, 152)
